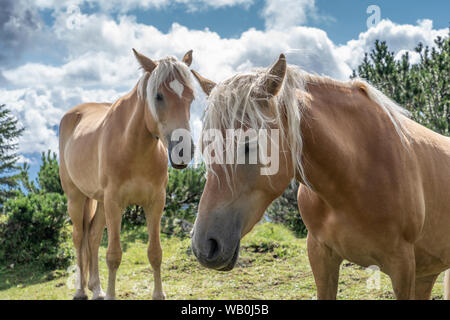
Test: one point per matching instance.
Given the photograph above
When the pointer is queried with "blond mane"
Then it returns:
(168, 67)
(233, 104)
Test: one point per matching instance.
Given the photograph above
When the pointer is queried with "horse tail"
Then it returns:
(90, 207)
(447, 285)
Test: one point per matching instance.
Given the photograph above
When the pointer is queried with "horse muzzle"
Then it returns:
(216, 253)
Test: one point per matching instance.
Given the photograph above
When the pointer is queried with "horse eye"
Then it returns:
(159, 97)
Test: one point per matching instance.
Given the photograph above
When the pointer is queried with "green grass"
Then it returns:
(273, 264)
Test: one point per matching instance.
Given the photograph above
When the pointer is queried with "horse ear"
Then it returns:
(146, 63)
(275, 77)
(187, 59)
(207, 85)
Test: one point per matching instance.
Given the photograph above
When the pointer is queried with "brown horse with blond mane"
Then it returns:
(114, 155)
(374, 184)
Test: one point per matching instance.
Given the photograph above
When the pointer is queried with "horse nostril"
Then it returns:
(213, 249)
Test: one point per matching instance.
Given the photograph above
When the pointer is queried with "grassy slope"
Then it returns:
(273, 264)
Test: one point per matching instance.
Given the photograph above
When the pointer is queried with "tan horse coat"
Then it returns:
(378, 194)
(375, 201)
(111, 156)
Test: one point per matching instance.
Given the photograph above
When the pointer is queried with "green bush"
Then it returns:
(284, 210)
(133, 217)
(35, 229)
(183, 193)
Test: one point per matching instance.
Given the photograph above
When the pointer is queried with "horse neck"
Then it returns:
(345, 135)
(138, 133)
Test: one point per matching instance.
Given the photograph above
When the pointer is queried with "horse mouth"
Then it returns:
(230, 265)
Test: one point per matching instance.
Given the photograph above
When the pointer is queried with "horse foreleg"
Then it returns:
(325, 267)
(95, 237)
(401, 267)
(424, 286)
(153, 216)
(113, 215)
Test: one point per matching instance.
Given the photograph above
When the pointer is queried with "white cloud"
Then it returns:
(99, 56)
(283, 14)
(45, 92)
(99, 65)
(39, 111)
(90, 70)
(124, 6)
(398, 37)
(414, 57)
(48, 91)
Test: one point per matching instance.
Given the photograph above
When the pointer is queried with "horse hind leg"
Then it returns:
(96, 228)
(77, 205)
(113, 215)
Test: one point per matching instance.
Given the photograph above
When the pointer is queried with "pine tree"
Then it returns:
(9, 174)
(422, 88)
(48, 175)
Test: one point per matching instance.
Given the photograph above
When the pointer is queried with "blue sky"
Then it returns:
(48, 65)
(351, 15)
(348, 17)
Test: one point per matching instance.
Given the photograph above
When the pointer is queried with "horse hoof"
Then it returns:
(160, 296)
(80, 298)
(99, 295)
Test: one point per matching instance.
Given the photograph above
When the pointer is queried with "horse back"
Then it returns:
(89, 115)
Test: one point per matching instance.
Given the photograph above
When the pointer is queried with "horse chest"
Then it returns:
(352, 238)
(136, 192)
(346, 238)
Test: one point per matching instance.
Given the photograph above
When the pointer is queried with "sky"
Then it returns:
(55, 54)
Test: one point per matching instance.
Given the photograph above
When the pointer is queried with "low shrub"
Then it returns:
(35, 229)
(284, 210)
(183, 194)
